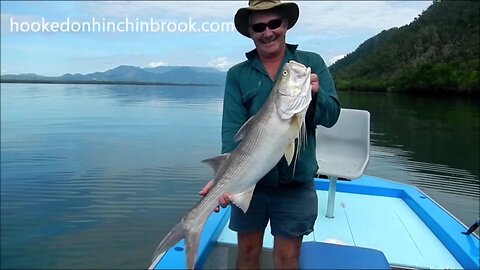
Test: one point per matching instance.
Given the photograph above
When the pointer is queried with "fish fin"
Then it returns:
(191, 248)
(182, 230)
(216, 162)
(176, 234)
(298, 124)
(301, 138)
(242, 200)
(290, 152)
(294, 134)
(243, 131)
(295, 127)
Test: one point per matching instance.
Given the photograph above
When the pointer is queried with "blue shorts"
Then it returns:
(292, 210)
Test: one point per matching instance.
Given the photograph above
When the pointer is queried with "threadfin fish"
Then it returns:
(264, 139)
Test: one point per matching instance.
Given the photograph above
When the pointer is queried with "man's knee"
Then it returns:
(286, 252)
(250, 244)
(249, 249)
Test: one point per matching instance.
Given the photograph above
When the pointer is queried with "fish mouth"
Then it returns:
(297, 77)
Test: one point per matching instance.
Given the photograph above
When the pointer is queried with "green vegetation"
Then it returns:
(438, 52)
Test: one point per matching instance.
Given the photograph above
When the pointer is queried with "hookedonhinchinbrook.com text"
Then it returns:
(125, 25)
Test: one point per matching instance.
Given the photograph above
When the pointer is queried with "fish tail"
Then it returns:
(176, 234)
(192, 240)
(182, 231)
(191, 248)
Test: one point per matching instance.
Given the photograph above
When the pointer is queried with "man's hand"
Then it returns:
(314, 83)
(223, 200)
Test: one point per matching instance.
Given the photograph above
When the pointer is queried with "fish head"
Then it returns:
(293, 90)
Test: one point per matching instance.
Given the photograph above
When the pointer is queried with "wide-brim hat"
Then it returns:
(242, 16)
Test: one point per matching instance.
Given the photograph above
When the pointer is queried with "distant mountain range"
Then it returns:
(132, 75)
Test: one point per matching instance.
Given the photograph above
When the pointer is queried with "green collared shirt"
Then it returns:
(247, 88)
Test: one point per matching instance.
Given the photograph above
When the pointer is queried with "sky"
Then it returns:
(52, 38)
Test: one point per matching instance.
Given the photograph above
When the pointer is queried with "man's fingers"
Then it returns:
(224, 200)
(206, 188)
(314, 82)
(227, 199)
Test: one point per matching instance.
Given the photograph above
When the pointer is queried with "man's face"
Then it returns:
(268, 42)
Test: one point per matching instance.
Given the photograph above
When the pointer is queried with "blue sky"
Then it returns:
(330, 28)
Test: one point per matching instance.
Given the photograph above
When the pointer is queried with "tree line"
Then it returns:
(437, 52)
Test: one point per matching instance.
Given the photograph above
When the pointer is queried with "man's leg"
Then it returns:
(249, 249)
(286, 252)
(293, 211)
(250, 227)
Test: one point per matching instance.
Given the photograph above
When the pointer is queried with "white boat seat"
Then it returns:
(343, 151)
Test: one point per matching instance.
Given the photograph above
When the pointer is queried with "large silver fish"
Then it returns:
(264, 139)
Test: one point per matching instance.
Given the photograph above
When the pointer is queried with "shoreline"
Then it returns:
(105, 83)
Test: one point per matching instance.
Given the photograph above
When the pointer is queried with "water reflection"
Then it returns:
(431, 143)
(93, 176)
(434, 130)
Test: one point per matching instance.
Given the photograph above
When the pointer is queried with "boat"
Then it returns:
(363, 222)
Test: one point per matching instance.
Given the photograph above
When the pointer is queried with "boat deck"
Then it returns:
(379, 222)
(411, 229)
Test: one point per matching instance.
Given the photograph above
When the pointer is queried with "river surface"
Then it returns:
(93, 176)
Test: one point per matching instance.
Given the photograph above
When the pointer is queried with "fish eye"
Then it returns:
(285, 73)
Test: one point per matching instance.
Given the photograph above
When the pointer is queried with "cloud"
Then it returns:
(321, 18)
(219, 10)
(157, 64)
(352, 16)
(334, 28)
(220, 63)
(329, 28)
(336, 58)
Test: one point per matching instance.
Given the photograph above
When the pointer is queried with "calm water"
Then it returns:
(93, 176)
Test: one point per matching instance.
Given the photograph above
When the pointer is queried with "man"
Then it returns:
(286, 199)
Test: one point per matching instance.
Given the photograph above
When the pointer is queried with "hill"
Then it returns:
(132, 75)
(438, 52)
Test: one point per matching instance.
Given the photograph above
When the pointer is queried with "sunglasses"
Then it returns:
(273, 24)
